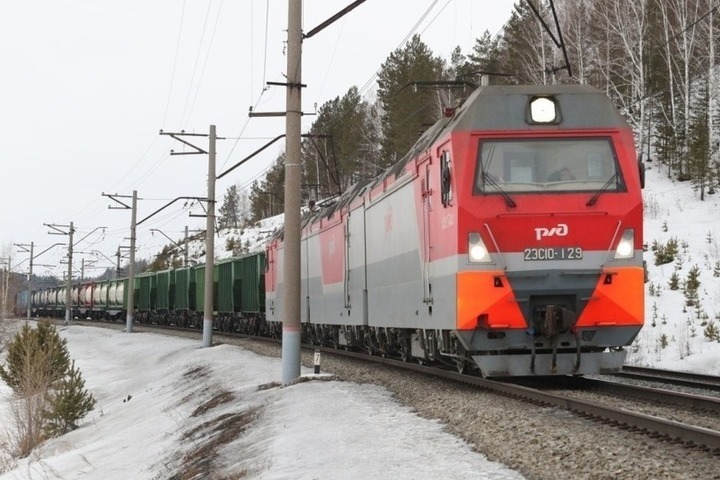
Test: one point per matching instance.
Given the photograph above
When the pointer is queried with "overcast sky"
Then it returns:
(86, 86)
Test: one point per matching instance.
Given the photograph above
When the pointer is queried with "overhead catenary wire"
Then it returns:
(207, 57)
(197, 59)
(174, 69)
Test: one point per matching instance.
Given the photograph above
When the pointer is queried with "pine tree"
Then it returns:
(35, 355)
(229, 212)
(698, 161)
(406, 111)
(70, 403)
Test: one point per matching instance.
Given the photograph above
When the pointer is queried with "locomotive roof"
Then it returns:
(499, 108)
(504, 107)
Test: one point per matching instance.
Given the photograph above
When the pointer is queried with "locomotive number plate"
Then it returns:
(552, 253)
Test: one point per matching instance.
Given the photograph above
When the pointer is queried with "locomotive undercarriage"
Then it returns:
(423, 346)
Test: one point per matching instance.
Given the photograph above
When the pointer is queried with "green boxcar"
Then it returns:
(249, 285)
(184, 290)
(225, 298)
(165, 293)
(198, 275)
(145, 288)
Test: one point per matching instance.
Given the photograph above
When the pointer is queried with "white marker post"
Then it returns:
(317, 362)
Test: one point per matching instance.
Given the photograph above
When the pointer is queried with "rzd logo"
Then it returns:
(560, 231)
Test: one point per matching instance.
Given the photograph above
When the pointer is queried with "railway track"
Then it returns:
(693, 436)
(690, 435)
(670, 377)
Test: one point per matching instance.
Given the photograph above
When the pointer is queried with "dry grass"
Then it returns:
(208, 438)
(197, 373)
(219, 399)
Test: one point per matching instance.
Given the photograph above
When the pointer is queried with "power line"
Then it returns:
(207, 57)
(197, 59)
(172, 77)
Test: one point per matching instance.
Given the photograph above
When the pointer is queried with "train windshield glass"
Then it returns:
(547, 165)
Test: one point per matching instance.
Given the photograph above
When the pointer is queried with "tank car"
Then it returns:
(508, 240)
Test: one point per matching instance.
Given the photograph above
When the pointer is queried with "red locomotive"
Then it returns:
(508, 240)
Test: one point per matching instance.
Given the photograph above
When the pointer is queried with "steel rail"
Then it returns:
(688, 434)
(685, 379)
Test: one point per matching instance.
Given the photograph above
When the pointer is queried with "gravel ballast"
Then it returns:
(538, 441)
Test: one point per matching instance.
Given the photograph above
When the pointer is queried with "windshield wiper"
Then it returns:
(508, 199)
(593, 200)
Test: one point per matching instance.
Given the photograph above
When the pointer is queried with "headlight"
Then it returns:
(543, 110)
(477, 252)
(626, 247)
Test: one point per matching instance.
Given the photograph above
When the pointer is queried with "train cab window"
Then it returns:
(547, 165)
(445, 179)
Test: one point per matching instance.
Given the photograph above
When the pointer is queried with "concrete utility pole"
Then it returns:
(209, 243)
(5, 286)
(130, 315)
(68, 293)
(24, 248)
(187, 248)
(131, 268)
(59, 230)
(293, 171)
(208, 310)
(32, 263)
(66, 230)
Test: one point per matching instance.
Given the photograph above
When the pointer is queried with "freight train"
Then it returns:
(508, 241)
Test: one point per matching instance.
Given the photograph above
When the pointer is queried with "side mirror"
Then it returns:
(641, 168)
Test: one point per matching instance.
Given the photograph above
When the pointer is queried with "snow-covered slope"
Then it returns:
(674, 333)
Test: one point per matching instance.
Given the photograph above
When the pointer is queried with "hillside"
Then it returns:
(674, 336)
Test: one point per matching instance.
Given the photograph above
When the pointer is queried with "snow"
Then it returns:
(148, 386)
(672, 209)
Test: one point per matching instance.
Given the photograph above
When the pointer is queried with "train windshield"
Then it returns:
(547, 165)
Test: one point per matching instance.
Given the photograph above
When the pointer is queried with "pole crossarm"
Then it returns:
(59, 229)
(24, 246)
(83, 238)
(163, 234)
(333, 19)
(114, 197)
(98, 252)
(176, 136)
(250, 156)
(200, 199)
(259, 150)
(47, 249)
